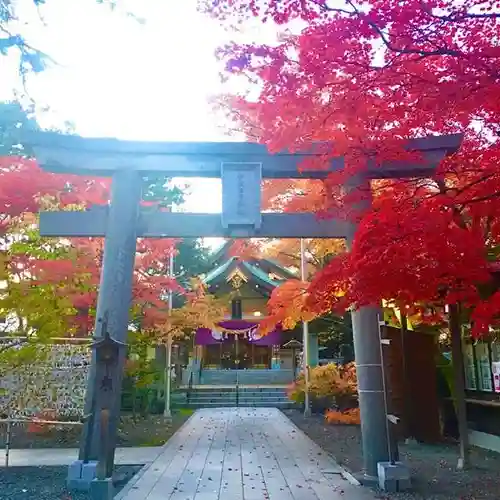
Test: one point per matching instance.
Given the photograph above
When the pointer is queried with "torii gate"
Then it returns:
(241, 166)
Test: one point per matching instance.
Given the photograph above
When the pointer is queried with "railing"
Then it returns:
(10, 421)
(247, 377)
(190, 387)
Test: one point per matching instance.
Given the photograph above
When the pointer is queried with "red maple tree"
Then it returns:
(74, 268)
(365, 77)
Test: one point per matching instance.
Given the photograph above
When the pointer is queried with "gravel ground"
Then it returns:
(151, 430)
(48, 483)
(433, 467)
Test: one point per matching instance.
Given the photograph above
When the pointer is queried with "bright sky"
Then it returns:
(119, 78)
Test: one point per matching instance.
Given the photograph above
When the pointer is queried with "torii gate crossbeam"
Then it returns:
(94, 222)
(241, 167)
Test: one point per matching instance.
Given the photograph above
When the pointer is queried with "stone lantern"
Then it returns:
(109, 355)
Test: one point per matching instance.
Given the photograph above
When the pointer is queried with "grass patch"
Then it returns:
(185, 412)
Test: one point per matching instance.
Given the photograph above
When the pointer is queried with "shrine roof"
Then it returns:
(260, 274)
(250, 271)
(273, 264)
(267, 264)
(219, 270)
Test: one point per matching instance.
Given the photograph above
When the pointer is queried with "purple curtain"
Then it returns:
(204, 336)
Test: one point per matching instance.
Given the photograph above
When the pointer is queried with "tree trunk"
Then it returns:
(459, 384)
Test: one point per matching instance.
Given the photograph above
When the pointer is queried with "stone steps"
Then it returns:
(248, 397)
(283, 405)
(248, 394)
(243, 377)
(234, 401)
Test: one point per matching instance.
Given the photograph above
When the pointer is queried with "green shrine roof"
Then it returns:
(264, 273)
(252, 273)
(221, 254)
(220, 270)
(260, 274)
(220, 251)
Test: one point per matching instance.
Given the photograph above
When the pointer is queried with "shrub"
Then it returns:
(35, 427)
(295, 391)
(330, 385)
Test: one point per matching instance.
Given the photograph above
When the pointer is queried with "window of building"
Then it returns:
(483, 367)
(495, 351)
(495, 365)
(470, 369)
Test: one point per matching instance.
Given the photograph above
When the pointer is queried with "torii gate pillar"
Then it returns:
(114, 299)
(370, 375)
(369, 369)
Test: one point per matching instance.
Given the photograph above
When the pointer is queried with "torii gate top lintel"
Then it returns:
(240, 165)
(103, 156)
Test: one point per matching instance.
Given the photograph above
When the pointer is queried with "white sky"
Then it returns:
(119, 78)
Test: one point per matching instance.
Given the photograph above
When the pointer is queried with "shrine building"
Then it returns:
(236, 352)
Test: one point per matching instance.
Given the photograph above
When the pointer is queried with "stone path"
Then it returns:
(62, 456)
(242, 454)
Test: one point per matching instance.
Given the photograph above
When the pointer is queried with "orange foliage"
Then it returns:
(245, 249)
(287, 306)
(338, 382)
(287, 252)
(201, 310)
(288, 195)
(348, 417)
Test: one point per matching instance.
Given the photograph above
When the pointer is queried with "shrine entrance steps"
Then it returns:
(242, 454)
(245, 377)
(235, 396)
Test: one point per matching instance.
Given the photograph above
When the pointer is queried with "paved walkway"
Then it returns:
(65, 456)
(242, 454)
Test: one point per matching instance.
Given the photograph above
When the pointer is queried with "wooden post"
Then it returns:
(167, 413)
(459, 384)
(8, 433)
(236, 351)
(305, 337)
(406, 380)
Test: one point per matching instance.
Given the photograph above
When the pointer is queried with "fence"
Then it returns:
(8, 429)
